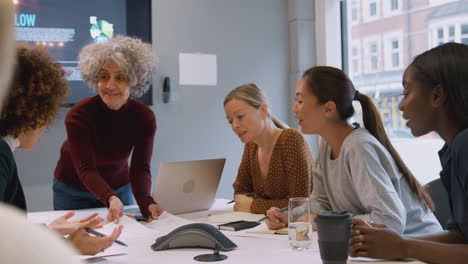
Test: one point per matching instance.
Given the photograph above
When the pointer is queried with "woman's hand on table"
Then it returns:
(242, 203)
(154, 211)
(116, 209)
(276, 219)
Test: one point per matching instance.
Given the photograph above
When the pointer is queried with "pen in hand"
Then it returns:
(248, 195)
(96, 233)
(279, 210)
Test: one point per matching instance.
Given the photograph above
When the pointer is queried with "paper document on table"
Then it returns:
(131, 228)
(134, 234)
(224, 217)
(167, 222)
(114, 250)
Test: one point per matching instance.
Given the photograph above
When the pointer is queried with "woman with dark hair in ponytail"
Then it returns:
(435, 98)
(357, 169)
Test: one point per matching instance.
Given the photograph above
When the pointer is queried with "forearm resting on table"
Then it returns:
(435, 252)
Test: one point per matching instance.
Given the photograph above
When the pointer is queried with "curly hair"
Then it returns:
(134, 57)
(37, 90)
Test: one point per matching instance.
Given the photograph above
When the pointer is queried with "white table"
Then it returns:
(250, 250)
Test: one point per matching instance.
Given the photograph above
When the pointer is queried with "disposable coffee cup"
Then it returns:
(334, 229)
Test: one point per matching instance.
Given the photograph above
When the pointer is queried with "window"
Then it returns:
(372, 54)
(393, 53)
(449, 31)
(388, 40)
(394, 5)
(464, 34)
(440, 36)
(355, 11)
(391, 7)
(371, 10)
(356, 58)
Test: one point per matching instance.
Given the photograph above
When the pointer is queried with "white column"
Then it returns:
(302, 50)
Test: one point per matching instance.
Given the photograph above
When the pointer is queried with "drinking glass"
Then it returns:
(299, 228)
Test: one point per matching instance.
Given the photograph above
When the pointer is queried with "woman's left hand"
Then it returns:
(242, 203)
(154, 211)
(89, 244)
(64, 227)
(375, 241)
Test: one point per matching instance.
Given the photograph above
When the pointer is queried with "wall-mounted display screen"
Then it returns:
(65, 26)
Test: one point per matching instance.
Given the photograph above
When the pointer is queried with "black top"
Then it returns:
(454, 176)
(11, 191)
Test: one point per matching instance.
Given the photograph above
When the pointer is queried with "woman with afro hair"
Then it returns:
(37, 90)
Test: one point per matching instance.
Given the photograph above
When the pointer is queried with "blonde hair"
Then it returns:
(253, 96)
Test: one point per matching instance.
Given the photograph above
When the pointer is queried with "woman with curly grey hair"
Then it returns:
(102, 132)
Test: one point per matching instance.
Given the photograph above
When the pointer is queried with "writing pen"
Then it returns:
(248, 195)
(96, 233)
(279, 210)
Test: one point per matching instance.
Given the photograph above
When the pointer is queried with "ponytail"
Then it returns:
(278, 123)
(373, 123)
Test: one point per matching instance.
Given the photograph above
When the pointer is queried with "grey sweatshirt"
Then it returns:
(365, 181)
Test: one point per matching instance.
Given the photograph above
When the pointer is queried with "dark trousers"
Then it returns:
(70, 198)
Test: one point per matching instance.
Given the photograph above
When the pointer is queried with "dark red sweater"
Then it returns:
(99, 143)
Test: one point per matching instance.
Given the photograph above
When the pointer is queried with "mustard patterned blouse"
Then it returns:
(289, 173)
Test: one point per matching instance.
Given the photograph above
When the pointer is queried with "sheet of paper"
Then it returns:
(114, 250)
(224, 217)
(167, 222)
(197, 69)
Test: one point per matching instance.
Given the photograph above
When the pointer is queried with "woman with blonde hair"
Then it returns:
(276, 164)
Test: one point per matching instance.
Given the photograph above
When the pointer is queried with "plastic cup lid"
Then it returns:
(334, 215)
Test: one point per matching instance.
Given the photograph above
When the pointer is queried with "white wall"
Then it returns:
(250, 39)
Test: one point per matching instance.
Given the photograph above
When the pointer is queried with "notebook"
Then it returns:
(238, 225)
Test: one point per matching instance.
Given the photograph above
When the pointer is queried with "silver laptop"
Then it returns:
(187, 186)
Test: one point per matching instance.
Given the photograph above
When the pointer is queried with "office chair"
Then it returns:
(439, 196)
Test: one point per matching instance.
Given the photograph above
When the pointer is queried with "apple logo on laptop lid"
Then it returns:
(189, 186)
